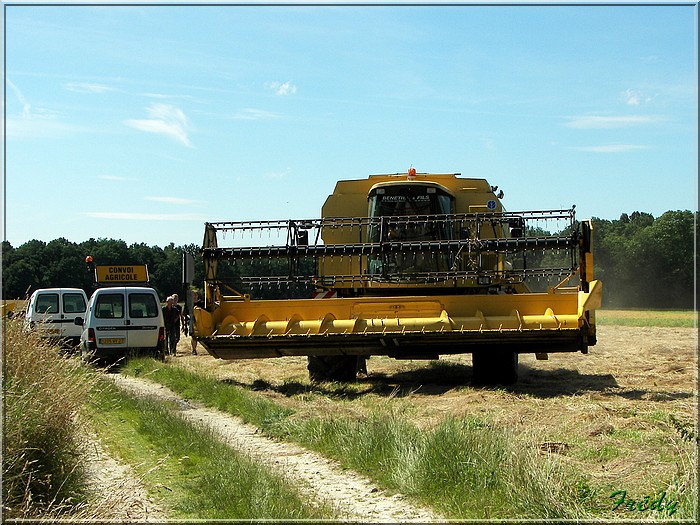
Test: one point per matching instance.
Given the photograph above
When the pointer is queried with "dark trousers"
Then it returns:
(171, 337)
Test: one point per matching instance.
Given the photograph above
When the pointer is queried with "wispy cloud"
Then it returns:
(635, 98)
(612, 148)
(282, 88)
(157, 217)
(255, 114)
(277, 174)
(595, 122)
(163, 96)
(87, 87)
(115, 178)
(26, 107)
(166, 120)
(172, 200)
(33, 122)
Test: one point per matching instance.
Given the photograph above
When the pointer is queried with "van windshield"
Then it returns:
(142, 305)
(109, 306)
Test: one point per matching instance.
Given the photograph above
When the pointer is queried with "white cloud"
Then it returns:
(594, 122)
(635, 98)
(125, 216)
(282, 89)
(255, 114)
(114, 178)
(26, 107)
(86, 87)
(612, 148)
(172, 200)
(165, 120)
(276, 174)
(156, 95)
(33, 122)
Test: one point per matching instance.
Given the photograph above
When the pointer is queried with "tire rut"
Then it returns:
(354, 497)
(119, 491)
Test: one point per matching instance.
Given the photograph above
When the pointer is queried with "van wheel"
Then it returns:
(494, 367)
(335, 367)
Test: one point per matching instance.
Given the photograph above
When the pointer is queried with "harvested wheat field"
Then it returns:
(624, 415)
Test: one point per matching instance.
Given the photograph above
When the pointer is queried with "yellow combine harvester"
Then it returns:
(411, 266)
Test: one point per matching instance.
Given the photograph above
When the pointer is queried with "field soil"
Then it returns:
(620, 414)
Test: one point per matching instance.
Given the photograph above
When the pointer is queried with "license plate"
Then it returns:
(112, 341)
(51, 331)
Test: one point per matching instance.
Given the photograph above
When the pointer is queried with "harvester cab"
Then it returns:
(409, 266)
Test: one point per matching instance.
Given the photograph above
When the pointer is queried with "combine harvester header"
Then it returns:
(408, 266)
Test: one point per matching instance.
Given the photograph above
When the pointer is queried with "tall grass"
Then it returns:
(465, 468)
(205, 479)
(42, 462)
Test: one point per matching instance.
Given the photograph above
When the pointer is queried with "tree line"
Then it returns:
(61, 263)
(644, 262)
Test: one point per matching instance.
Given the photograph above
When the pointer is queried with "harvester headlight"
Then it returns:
(483, 280)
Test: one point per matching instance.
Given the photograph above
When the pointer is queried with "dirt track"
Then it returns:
(608, 413)
(354, 497)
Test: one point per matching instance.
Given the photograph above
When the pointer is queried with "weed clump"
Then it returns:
(43, 392)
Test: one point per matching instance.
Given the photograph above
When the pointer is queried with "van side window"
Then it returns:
(73, 303)
(109, 306)
(142, 305)
(47, 303)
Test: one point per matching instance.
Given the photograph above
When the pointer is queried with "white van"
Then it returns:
(123, 320)
(52, 312)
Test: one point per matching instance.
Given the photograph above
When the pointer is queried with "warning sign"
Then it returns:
(132, 274)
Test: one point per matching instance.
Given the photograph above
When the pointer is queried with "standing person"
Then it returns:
(176, 300)
(170, 315)
(195, 301)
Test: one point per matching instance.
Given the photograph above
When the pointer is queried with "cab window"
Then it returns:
(47, 303)
(406, 202)
(142, 305)
(109, 306)
(73, 303)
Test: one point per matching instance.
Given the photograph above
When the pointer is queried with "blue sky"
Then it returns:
(142, 122)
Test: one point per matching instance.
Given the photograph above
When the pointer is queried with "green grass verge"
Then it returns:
(464, 468)
(188, 470)
(642, 318)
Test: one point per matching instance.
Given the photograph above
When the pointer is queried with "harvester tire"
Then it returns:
(333, 368)
(495, 367)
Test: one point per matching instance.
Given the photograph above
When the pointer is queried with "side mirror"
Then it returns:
(78, 321)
